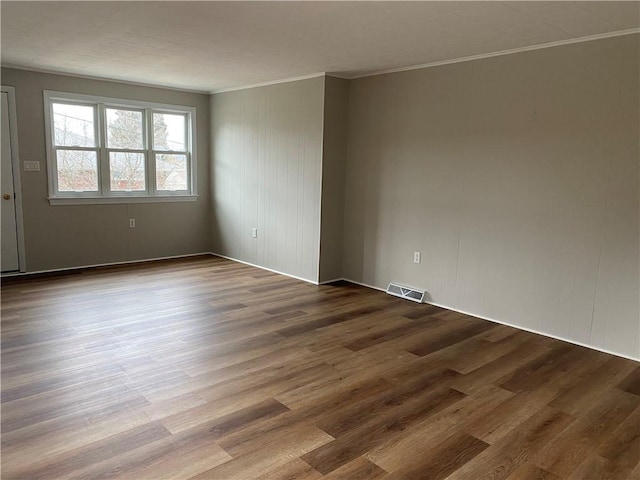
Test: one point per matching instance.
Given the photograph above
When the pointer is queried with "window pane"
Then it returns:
(77, 171)
(124, 129)
(171, 172)
(169, 132)
(127, 171)
(73, 125)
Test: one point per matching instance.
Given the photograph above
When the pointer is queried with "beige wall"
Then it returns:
(334, 159)
(70, 236)
(516, 177)
(267, 168)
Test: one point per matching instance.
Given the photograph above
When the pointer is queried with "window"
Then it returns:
(106, 150)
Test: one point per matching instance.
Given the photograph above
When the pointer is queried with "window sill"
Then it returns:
(121, 200)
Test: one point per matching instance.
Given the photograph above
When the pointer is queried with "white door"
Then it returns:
(9, 224)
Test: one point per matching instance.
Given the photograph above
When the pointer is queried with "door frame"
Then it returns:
(17, 182)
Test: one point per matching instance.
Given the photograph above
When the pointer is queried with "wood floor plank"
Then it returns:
(406, 450)
(174, 457)
(622, 446)
(349, 418)
(275, 450)
(529, 471)
(70, 461)
(438, 463)
(358, 469)
(238, 419)
(503, 366)
(205, 368)
(296, 469)
(482, 351)
(564, 358)
(631, 383)
(334, 395)
(451, 338)
(510, 414)
(580, 397)
(600, 468)
(359, 440)
(520, 446)
(562, 455)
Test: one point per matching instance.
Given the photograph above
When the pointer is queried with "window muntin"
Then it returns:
(100, 148)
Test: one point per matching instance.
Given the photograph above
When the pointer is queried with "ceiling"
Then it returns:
(210, 46)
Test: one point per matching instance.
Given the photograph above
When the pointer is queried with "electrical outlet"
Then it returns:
(416, 257)
(132, 223)
(254, 233)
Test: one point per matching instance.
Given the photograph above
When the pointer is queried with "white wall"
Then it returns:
(267, 173)
(516, 177)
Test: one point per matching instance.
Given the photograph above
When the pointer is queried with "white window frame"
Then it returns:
(104, 193)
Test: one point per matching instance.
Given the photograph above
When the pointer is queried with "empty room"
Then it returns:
(320, 240)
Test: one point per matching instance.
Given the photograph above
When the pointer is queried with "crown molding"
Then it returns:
(480, 56)
(266, 84)
(102, 79)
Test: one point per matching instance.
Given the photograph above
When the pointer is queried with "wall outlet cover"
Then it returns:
(31, 166)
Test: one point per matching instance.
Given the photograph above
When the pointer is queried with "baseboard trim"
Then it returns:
(364, 285)
(98, 265)
(264, 268)
(333, 280)
(129, 262)
(530, 330)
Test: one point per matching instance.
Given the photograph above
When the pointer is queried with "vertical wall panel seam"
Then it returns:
(603, 239)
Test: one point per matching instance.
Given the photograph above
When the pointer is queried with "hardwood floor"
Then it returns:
(208, 369)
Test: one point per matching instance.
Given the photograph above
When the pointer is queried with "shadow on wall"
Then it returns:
(216, 239)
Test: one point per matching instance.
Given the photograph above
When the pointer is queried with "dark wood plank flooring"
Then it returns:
(205, 368)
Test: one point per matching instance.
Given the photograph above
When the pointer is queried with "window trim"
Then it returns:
(105, 194)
